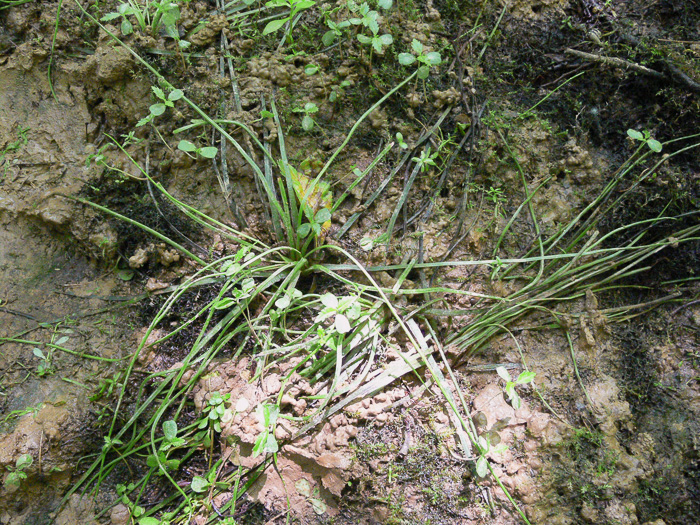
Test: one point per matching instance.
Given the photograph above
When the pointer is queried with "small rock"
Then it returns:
(120, 515)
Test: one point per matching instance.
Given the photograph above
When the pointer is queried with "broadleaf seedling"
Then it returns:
(266, 443)
(307, 121)
(335, 31)
(17, 474)
(294, 6)
(208, 152)
(426, 159)
(654, 145)
(524, 378)
(157, 109)
(426, 60)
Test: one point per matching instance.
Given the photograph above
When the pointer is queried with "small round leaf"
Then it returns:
(433, 58)
(170, 430)
(654, 145)
(329, 300)
(186, 145)
(209, 152)
(366, 243)
(636, 135)
(157, 109)
(342, 324)
(175, 94)
(323, 215)
(199, 484)
(304, 230)
(406, 59)
(307, 123)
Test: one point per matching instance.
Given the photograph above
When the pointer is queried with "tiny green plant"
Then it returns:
(208, 152)
(294, 6)
(369, 19)
(17, 474)
(266, 443)
(152, 14)
(215, 412)
(399, 139)
(343, 310)
(201, 484)
(654, 145)
(426, 60)
(157, 109)
(45, 366)
(11, 147)
(335, 31)
(338, 91)
(313, 496)
(426, 160)
(315, 224)
(495, 195)
(311, 69)
(307, 122)
(377, 41)
(136, 510)
(485, 446)
(170, 442)
(524, 378)
(366, 17)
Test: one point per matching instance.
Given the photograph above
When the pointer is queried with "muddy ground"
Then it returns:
(557, 82)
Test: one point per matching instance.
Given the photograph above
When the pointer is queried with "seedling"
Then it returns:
(316, 224)
(14, 146)
(266, 442)
(310, 70)
(166, 14)
(654, 145)
(157, 109)
(200, 484)
(399, 139)
(170, 441)
(378, 42)
(136, 510)
(339, 90)
(482, 464)
(426, 60)
(426, 160)
(368, 17)
(45, 366)
(295, 7)
(343, 311)
(314, 497)
(208, 152)
(307, 122)
(335, 31)
(288, 298)
(524, 378)
(17, 474)
(215, 412)
(498, 198)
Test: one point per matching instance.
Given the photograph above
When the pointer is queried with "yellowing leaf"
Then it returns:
(314, 200)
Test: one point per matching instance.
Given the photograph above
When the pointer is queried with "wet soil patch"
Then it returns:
(654, 392)
(133, 199)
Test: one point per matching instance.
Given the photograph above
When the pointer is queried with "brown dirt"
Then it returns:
(620, 445)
